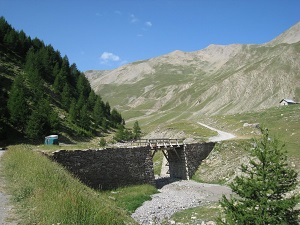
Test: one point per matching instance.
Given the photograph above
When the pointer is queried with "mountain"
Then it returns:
(220, 79)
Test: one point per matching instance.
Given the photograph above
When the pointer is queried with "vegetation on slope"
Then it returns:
(45, 193)
(41, 93)
(265, 188)
(283, 122)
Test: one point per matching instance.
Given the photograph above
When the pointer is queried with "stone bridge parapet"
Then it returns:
(116, 167)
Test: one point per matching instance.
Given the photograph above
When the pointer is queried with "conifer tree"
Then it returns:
(17, 105)
(136, 130)
(42, 121)
(92, 100)
(73, 111)
(263, 187)
(98, 112)
(116, 118)
(4, 28)
(66, 96)
(84, 119)
(11, 40)
(60, 80)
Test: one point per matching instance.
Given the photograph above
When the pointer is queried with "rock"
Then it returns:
(210, 223)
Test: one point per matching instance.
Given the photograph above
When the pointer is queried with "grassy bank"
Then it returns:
(45, 193)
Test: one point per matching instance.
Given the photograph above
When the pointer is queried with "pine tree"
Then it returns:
(136, 130)
(116, 118)
(17, 105)
(4, 28)
(262, 190)
(73, 111)
(84, 119)
(42, 121)
(66, 97)
(60, 80)
(92, 100)
(98, 112)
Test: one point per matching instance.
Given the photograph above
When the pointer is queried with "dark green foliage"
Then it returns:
(83, 86)
(123, 134)
(136, 130)
(116, 118)
(102, 142)
(92, 100)
(98, 112)
(84, 119)
(4, 29)
(73, 112)
(42, 121)
(44, 83)
(263, 188)
(17, 104)
(66, 97)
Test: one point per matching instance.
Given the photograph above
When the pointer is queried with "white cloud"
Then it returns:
(107, 57)
(148, 24)
(133, 18)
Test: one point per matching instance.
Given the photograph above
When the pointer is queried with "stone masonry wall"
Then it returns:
(195, 154)
(112, 168)
(177, 163)
(109, 168)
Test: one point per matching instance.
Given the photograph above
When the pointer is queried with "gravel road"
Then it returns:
(5, 207)
(222, 135)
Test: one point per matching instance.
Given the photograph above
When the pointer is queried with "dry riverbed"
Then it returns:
(177, 196)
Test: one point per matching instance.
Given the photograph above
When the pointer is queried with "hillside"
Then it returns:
(42, 94)
(213, 81)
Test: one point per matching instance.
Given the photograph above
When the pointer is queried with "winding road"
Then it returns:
(222, 135)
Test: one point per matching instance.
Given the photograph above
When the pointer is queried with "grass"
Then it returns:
(157, 162)
(130, 198)
(222, 162)
(197, 215)
(283, 122)
(193, 129)
(45, 193)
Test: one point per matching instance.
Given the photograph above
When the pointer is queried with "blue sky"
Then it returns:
(106, 34)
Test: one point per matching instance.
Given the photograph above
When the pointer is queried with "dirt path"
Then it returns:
(222, 135)
(5, 207)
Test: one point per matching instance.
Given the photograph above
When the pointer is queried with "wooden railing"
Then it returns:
(156, 143)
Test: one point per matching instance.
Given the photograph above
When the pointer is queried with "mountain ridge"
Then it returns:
(219, 79)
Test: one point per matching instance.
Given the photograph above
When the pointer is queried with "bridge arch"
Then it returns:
(114, 167)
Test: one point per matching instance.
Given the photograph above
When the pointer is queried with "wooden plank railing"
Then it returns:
(155, 143)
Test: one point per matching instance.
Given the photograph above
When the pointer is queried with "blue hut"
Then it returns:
(51, 140)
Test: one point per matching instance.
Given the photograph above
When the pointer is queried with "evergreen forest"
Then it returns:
(42, 94)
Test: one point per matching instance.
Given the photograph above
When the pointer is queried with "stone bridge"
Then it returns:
(115, 167)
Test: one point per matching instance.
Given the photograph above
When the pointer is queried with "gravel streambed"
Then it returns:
(177, 196)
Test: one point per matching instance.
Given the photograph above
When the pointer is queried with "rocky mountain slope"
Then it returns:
(215, 80)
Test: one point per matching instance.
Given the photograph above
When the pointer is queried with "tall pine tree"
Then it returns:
(262, 189)
(136, 130)
(17, 104)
